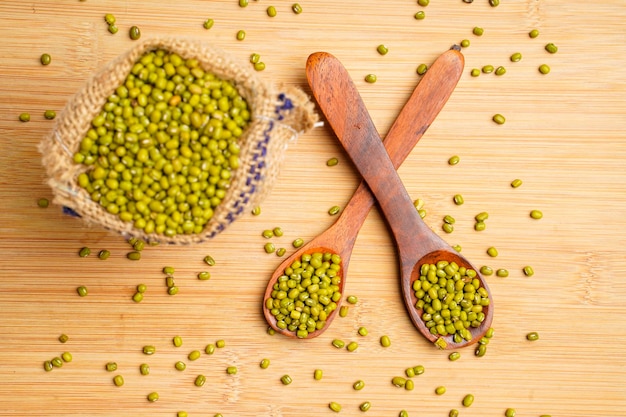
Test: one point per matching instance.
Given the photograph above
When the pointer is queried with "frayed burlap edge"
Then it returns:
(279, 115)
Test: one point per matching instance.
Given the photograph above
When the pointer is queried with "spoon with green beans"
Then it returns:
(445, 296)
(301, 313)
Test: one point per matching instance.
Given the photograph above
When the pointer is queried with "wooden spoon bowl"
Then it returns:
(414, 119)
(344, 109)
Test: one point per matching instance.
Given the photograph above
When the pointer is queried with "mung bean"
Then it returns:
(259, 66)
(43, 203)
(256, 211)
(144, 369)
(493, 252)
(153, 397)
(208, 24)
(110, 366)
(440, 390)
(286, 379)
(297, 243)
(458, 199)
(551, 48)
(241, 35)
(478, 31)
(447, 227)
(365, 406)
(419, 369)
(358, 385)
(385, 341)
(487, 69)
(403, 413)
(486, 270)
(113, 29)
(66, 356)
(134, 33)
(49, 114)
(480, 226)
(509, 412)
(382, 49)
(45, 59)
(118, 380)
(204, 275)
(544, 69)
(352, 346)
(194, 355)
(209, 260)
(457, 248)
(200, 380)
(82, 291)
(220, 343)
(532, 336)
(500, 71)
(182, 414)
(134, 255)
(533, 33)
(332, 162)
(499, 119)
(243, 3)
(177, 341)
(334, 210)
(453, 413)
(231, 370)
(63, 338)
(453, 160)
(137, 297)
(84, 252)
(47, 366)
(269, 247)
(362, 331)
(352, 299)
(420, 15)
(454, 356)
(502, 273)
(318, 374)
(271, 11)
(421, 69)
(516, 183)
(399, 381)
(536, 214)
(336, 407)
(468, 400)
(57, 362)
(528, 271)
(516, 57)
(343, 311)
(494, 3)
(371, 78)
(281, 251)
(296, 8)
(465, 43)
(265, 363)
(149, 350)
(180, 366)
(409, 372)
(24, 117)
(338, 343)
(481, 350)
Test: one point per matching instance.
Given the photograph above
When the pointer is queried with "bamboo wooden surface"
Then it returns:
(564, 137)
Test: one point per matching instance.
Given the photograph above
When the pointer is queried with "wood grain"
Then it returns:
(564, 137)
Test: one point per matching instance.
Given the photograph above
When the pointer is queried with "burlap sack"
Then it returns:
(279, 115)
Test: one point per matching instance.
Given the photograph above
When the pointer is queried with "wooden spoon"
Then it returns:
(434, 88)
(416, 242)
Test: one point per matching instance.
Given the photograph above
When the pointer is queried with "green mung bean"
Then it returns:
(182, 414)
(422, 213)
(82, 291)
(334, 210)
(241, 35)
(352, 346)
(536, 214)
(544, 69)
(286, 379)
(482, 216)
(208, 24)
(454, 356)
(49, 114)
(57, 362)
(277, 231)
(134, 33)
(318, 374)
(168, 270)
(502, 273)
(365, 406)
(43, 203)
(153, 397)
(180, 366)
(104, 254)
(423, 3)
(509, 412)
(24, 117)
(465, 43)
(66, 356)
(499, 119)
(259, 66)
(113, 29)
(137, 297)
(453, 160)
(382, 49)
(440, 390)
(338, 343)
(144, 369)
(478, 31)
(362, 331)
(487, 69)
(494, 3)
(403, 413)
(204, 275)
(409, 372)
(194, 355)
(516, 57)
(399, 381)
(419, 369)
(332, 162)
(475, 72)
(47, 366)
(493, 252)
(243, 3)
(533, 33)
(231, 370)
(551, 48)
(149, 350)
(532, 336)
(118, 380)
(256, 211)
(110, 366)
(486, 270)
(220, 343)
(296, 8)
(358, 385)
(528, 271)
(109, 18)
(453, 413)
(200, 380)
(271, 11)
(500, 71)
(457, 248)
(458, 199)
(385, 341)
(343, 311)
(63, 338)
(45, 59)
(481, 350)
(352, 299)
(336, 407)
(134, 255)
(269, 247)
(516, 183)
(447, 227)
(84, 252)
(371, 78)
(421, 15)
(468, 400)
(177, 341)
(421, 69)
(265, 363)
(480, 226)
(267, 233)
(449, 219)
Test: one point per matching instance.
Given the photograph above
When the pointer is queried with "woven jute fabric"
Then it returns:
(279, 114)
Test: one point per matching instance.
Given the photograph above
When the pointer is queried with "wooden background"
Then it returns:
(564, 137)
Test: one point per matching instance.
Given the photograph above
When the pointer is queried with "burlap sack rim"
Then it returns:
(279, 113)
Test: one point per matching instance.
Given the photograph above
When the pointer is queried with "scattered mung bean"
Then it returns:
(84, 252)
(221, 343)
(286, 379)
(63, 338)
(532, 336)
(297, 9)
(45, 59)
(499, 119)
(318, 374)
(362, 331)
(420, 15)
(544, 69)
(398, 381)
(516, 183)
(502, 273)
(104, 254)
(134, 33)
(265, 363)
(509, 412)
(134, 255)
(113, 29)
(144, 369)
(297, 243)
(49, 114)
(241, 35)
(82, 291)
(259, 66)
(338, 343)
(365, 406)
(528, 271)
(468, 400)
(334, 210)
(371, 78)
(209, 260)
(440, 390)
(453, 413)
(382, 49)
(492, 251)
(66, 356)
(231, 370)
(118, 380)
(153, 397)
(500, 71)
(421, 69)
(447, 227)
(385, 341)
(458, 199)
(243, 3)
(358, 385)
(43, 203)
(551, 48)
(110, 366)
(180, 366)
(47, 366)
(465, 43)
(336, 407)
(516, 57)
(281, 251)
(177, 341)
(194, 355)
(475, 72)
(536, 214)
(533, 33)
(352, 299)
(256, 211)
(419, 369)
(57, 362)
(269, 247)
(403, 413)
(208, 24)
(453, 160)
(480, 226)
(410, 385)
(352, 346)
(494, 3)
(478, 31)
(343, 311)
(149, 350)
(271, 11)
(486, 270)
(454, 356)
(487, 69)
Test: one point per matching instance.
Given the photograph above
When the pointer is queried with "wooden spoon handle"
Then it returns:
(344, 109)
(414, 119)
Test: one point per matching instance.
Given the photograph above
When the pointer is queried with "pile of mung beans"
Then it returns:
(307, 293)
(451, 299)
(162, 151)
